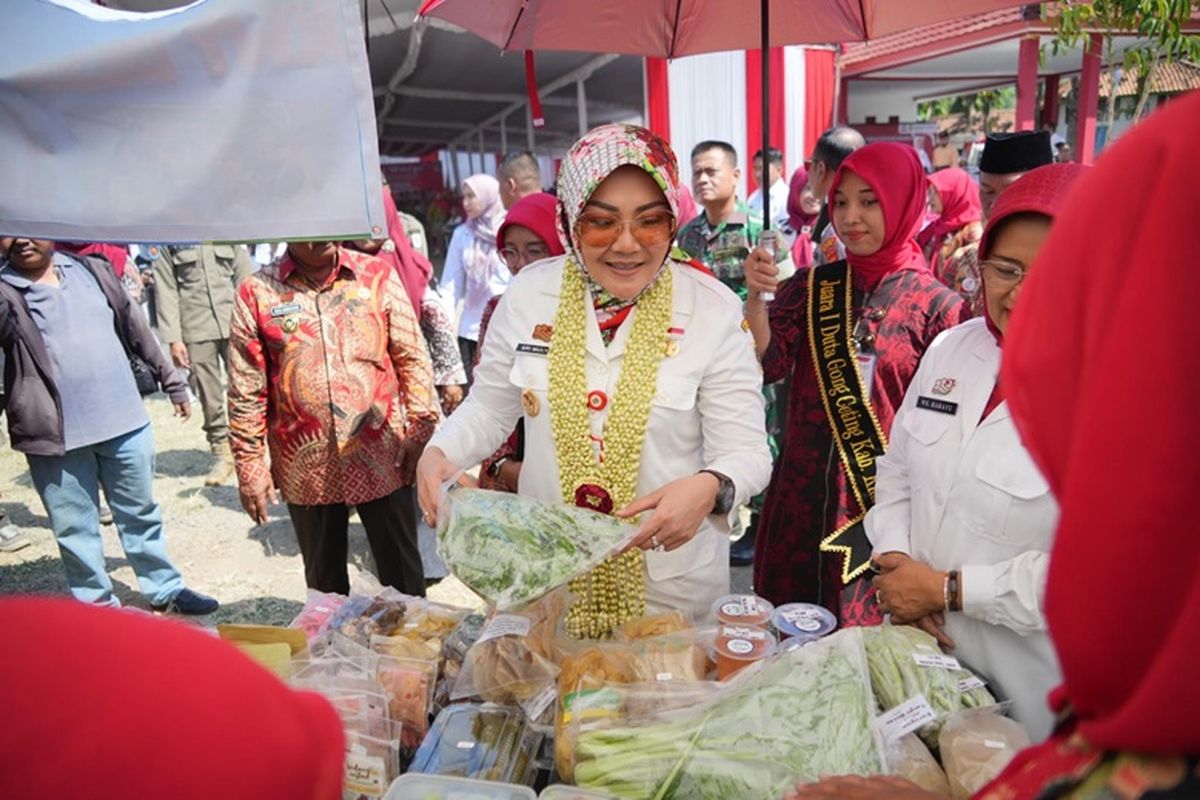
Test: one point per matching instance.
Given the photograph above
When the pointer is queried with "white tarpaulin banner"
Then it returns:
(226, 120)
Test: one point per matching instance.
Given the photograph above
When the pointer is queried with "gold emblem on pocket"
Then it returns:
(530, 401)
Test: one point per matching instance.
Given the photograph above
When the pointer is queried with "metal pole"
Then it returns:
(764, 179)
(454, 167)
(482, 153)
(504, 135)
(581, 102)
(528, 129)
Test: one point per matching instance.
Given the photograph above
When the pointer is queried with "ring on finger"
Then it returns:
(654, 545)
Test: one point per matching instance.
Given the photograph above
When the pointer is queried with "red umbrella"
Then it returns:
(673, 28)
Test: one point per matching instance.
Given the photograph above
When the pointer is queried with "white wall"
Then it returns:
(708, 101)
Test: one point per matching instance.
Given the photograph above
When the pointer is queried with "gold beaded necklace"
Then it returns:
(614, 592)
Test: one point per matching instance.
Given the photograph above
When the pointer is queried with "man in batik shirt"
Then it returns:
(329, 374)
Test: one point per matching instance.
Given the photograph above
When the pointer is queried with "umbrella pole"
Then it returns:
(763, 179)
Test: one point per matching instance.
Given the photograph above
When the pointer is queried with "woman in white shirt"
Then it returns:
(964, 521)
(638, 386)
(474, 272)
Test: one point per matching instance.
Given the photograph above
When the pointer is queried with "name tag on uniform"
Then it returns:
(283, 311)
(533, 349)
(940, 406)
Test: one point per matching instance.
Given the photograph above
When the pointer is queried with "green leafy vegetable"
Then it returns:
(512, 549)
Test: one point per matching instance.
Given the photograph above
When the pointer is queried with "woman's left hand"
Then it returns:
(906, 588)
(679, 508)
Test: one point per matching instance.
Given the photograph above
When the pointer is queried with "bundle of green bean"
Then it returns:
(894, 655)
(804, 714)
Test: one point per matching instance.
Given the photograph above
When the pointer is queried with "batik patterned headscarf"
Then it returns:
(592, 159)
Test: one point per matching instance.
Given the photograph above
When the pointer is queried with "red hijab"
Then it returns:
(412, 267)
(115, 254)
(1102, 367)
(894, 173)
(536, 212)
(960, 203)
(800, 221)
(107, 703)
(1040, 191)
(687, 207)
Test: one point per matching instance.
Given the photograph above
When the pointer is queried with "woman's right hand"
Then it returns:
(433, 470)
(761, 271)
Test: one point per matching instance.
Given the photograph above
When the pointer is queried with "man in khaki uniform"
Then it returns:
(196, 287)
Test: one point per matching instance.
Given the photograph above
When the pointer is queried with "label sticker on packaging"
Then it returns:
(465, 745)
(993, 744)
(540, 702)
(805, 619)
(905, 718)
(736, 632)
(936, 661)
(506, 625)
(740, 646)
(745, 606)
(365, 775)
(663, 676)
(970, 684)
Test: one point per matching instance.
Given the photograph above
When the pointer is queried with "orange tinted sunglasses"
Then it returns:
(597, 229)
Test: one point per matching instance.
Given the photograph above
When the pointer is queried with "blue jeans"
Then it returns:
(69, 488)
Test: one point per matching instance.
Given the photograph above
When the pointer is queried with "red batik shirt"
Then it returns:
(328, 380)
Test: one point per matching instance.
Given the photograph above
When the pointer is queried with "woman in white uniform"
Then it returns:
(638, 384)
(964, 520)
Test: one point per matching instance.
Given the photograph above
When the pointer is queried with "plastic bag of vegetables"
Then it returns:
(512, 549)
(800, 715)
(905, 662)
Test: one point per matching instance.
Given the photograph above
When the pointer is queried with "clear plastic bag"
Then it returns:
(976, 745)
(908, 757)
(478, 740)
(371, 765)
(514, 659)
(408, 685)
(318, 609)
(512, 549)
(906, 662)
(793, 717)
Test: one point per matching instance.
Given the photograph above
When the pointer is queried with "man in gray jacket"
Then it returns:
(68, 329)
(195, 288)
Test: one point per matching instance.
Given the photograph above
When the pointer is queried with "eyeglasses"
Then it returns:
(601, 230)
(1001, 274)
(516, 257)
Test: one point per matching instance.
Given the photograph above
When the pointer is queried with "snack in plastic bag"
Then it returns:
(906, 662)
(408, 685)
(476, 740)
(318, 609)
(976, 745)
(512, 549)
(371, 766)
(654, 625)
(797, 716)
(513, 661)
(670, 657)
(908, 757)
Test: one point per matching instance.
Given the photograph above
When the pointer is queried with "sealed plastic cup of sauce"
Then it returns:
(738, 647)
(743, 609)
(804, 620)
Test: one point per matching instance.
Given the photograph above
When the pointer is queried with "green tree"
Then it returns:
(1157, 24)
(984, 102)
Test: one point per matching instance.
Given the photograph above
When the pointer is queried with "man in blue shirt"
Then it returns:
(73, 407)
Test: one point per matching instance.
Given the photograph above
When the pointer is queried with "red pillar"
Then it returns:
(1089, 99)
(754, 107)
(1050, 101)
(1027, 83)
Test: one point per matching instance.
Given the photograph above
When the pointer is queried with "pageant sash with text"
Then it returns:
(856, 431)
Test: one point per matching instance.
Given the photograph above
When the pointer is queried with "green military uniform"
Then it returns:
(195, 288)
(723, 248)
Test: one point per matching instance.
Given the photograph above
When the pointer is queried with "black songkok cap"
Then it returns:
(1007, 153)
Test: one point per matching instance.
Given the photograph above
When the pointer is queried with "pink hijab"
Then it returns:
(960, 204)
(800, 222)
(484, 228)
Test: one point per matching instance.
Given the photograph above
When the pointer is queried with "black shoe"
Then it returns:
(741, 552)
(192, 604)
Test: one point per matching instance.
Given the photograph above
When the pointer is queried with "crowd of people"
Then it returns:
(833, 397)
